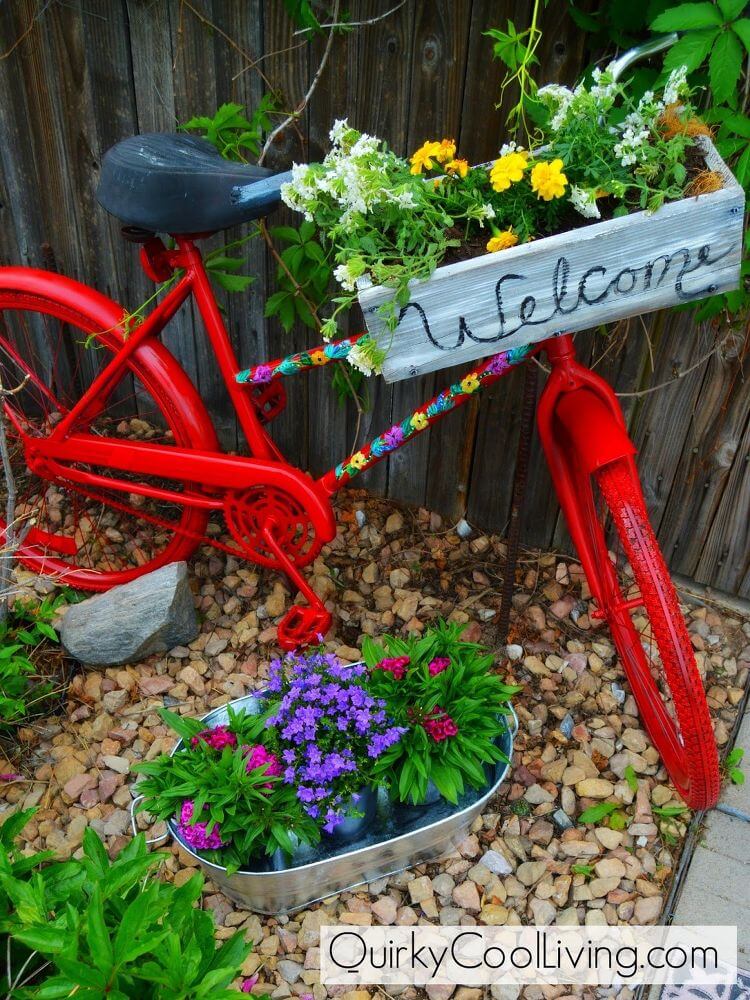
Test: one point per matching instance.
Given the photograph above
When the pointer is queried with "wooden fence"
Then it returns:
(77, 77)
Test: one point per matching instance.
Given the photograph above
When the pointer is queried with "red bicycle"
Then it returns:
(118, 465)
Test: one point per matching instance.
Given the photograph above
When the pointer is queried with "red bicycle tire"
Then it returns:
(687, 747)
(55, 302)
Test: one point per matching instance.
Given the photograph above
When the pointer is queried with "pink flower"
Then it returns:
(262, 374)
(247, 984)
(258, 756)
(217, 738)
(194, 834)
(438, 665)
(395, 665)
(439, 725)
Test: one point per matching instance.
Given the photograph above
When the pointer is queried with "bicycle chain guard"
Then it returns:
(250, 513)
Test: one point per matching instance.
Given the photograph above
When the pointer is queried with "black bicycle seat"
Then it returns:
(181, 184)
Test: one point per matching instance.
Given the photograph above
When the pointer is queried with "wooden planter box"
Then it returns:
(597, 274)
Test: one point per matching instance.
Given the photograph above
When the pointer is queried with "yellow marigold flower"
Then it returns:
(318, 357)
(419, 421)
(508, 170)
(502, 241)
(424, 156)
(447, 150)
(460, 167)
(548, 180)
(358, 461)
(470, 383)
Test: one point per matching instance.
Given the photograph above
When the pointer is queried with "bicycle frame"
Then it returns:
(214, 469)
(592, 419)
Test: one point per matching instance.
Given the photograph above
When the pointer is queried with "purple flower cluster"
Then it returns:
(329, 729)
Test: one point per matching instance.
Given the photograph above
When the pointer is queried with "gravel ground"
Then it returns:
(526, 860)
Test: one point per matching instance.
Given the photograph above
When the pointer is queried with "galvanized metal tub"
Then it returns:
(395, 840)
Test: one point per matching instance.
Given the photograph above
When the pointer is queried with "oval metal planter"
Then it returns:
(394, 840)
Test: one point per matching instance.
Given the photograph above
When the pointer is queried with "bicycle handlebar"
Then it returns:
(634, 55)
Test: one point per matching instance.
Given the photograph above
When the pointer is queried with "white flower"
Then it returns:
(358, 359)
(676, 85)
(339, 130)
(402, 198)
(557, 98)
(481, 213)
(584, 202)
(364, 146)
(345, 277)
(510, 147)
(555, 92)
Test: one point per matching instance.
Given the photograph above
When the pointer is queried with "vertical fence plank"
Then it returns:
(439, 51)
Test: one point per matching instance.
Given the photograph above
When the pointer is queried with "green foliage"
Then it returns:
(467, 692)
(256, 813)
(667, 812)
(732, 767)
(23, 692)
(714, 32)
(598, 812)
(301, 13)
(631, 778)
(92, 927)
(302, 277)
(516, 50)
(586, 870)
(235, 136)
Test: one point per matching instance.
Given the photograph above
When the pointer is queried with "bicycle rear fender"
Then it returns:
(153, 360)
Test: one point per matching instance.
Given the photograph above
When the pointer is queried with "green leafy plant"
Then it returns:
(516, 50)
(224, 792)
(715, 32)
(236, 136)
(732, 768)
(92, 927)
(668, 812)
(303, 276)
(631, 778)
(444, 693)
(27, 628)
(586, 870)
(598, 812)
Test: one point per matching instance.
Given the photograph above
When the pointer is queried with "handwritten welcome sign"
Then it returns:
(603, 272)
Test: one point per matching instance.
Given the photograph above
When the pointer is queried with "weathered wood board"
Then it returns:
(576, 280)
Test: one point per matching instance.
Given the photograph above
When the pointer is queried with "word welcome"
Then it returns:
(595, 287)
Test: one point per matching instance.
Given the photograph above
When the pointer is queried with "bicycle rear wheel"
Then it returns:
(92, 538)
(652, 640)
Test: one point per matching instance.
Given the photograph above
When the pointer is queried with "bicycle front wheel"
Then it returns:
(652, 640)
(87, 537)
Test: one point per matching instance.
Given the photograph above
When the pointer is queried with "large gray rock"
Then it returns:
(148, 615)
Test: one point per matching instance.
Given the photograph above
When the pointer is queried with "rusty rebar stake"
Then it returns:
(520, 481)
